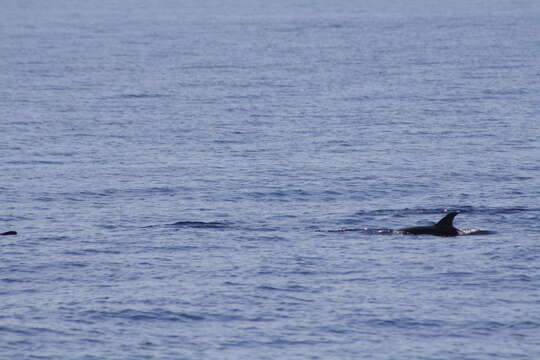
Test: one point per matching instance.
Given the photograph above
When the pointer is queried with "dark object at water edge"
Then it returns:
(444, 227)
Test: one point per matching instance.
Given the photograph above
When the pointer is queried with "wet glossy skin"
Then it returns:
(444, 227)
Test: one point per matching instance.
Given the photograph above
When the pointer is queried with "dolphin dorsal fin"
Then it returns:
(447, 221)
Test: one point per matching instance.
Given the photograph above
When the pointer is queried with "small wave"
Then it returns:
(84, 252)
(10, 280)
(279, 195)
(456, 274)
(150, 190)
(137, 315)
(142, 96)
(199, 224)
(29, 331)
(405, 323)
(292, 288)
(34, 162)
(54, 238)
(14, 218)
(524, 325)
(15, 330)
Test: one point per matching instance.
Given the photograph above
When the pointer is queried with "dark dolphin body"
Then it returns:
(9, 233)
(444, 227)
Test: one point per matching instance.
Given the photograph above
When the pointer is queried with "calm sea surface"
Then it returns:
(167, 164)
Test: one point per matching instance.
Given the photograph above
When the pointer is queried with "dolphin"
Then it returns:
(444, 227)
(9, 233)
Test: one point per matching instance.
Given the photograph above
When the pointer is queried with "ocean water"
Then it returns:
(167, 165)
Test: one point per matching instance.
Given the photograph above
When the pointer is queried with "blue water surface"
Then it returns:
(167, 165)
